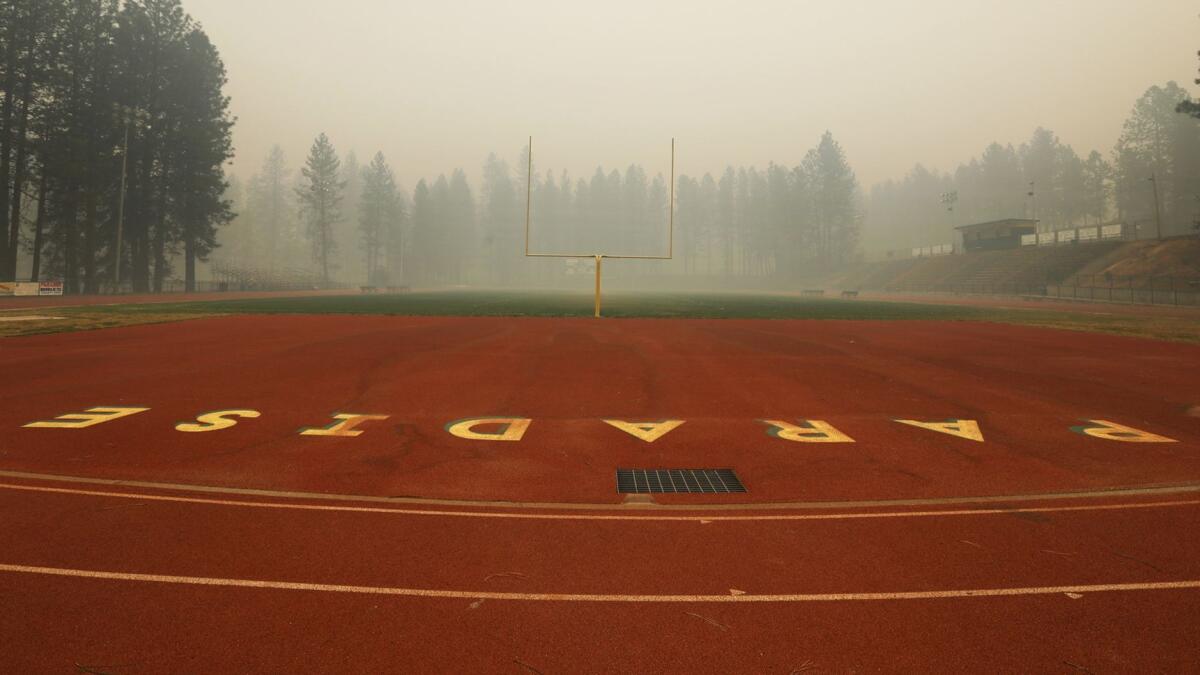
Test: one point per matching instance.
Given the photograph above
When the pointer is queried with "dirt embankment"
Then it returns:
(1178, 257)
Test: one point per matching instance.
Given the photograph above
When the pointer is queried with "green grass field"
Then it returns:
(567, 304)
(617, 305)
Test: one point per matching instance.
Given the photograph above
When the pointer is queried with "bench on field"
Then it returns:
(849, 295)
(369, 289)
(813, 292)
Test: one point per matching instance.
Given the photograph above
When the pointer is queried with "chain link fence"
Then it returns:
(1144, 290)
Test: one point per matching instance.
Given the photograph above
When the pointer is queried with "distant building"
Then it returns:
(996, 234)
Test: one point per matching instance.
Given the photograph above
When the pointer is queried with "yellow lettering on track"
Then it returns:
(968, 429)
(808, 431)
(88, 418)
(344, 425)
(511, 429)
(646, 431)
(215, 421)
(1111, 431)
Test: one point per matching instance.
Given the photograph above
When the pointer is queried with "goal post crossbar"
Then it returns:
(599, 257)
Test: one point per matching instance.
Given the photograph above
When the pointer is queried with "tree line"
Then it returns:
(1047, 180)
(354, 223)
(113, 118)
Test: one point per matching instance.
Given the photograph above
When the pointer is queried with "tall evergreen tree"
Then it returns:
(424, 234)
(1096, 191)
(1156, 142)
(349, 263)
(835, 208)
(321, 198)
(1187, 106)
(274, 204)
(200, 146)
(379, 215)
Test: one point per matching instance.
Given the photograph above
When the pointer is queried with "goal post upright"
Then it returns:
(598, 257)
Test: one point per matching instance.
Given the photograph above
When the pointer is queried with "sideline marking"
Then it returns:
(579, 516)
(594, 597)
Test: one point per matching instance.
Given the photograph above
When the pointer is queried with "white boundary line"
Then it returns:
(1002, 500)
(594, 597)
(581, 516)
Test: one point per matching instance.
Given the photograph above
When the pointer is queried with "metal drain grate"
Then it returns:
(678, 480)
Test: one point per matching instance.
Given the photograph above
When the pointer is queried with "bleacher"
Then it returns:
(1019, 271)
(873, 275)
(931, 272)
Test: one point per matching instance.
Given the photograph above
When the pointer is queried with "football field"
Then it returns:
(730, 482)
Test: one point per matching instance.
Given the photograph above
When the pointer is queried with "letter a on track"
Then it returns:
(647, 431)
(968, 429)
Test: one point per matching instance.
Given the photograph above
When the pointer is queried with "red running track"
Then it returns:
(106, 577)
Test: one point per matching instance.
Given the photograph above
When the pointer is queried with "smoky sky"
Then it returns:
(437, 85)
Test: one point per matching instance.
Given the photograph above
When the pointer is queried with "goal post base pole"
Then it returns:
(599, 264)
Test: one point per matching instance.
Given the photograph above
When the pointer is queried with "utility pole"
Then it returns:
(949, 199)
(1157, 214)
(128, 116)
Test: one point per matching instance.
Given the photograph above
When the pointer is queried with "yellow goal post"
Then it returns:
(599, 257)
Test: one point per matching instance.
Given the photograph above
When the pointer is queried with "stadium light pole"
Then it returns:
(948, 200)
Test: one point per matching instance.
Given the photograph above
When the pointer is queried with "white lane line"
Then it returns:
(1099, 493)
(595, 597)
(581, 516)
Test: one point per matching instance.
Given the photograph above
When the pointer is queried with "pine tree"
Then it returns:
(459, 228)
(321, 198)
(200, 146)
(274, 206)
(835, 213)
(1187, 106)
(1156, 142)
(348, 262)
(1096, 190)
(424, 234)
(379, 213)
(502, 217)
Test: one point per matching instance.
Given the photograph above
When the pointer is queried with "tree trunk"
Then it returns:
(158, 240)
(6, 115)
(38, 227)
(91, 281)
(22, 141)
(69, 245)
(189, 265)
(140, 212)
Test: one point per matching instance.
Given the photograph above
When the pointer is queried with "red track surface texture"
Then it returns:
(133, 577)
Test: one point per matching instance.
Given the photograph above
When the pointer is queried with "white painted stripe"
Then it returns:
(595, 597)
(1099, 493)
(581, 516)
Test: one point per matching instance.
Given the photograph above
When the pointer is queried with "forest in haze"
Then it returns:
(116, 143)
(1045, 179)
(113, 115)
